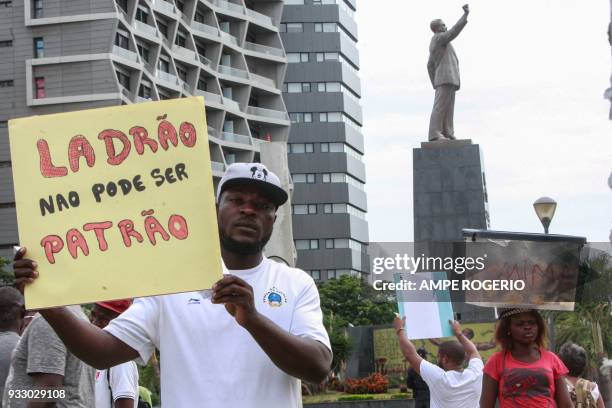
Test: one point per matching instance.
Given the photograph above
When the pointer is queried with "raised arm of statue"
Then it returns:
(454, 31)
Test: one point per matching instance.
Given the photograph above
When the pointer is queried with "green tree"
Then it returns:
(6, 277)
(590, 324)
(349, 300)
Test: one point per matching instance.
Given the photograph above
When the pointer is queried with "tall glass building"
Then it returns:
(322, 91)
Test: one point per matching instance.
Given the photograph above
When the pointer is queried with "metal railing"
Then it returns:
(205, 28)
(142, 99)
(165, 6)
(269, 113)
(257, 142)
(236, 138)
(229, 6)
(261, 18)
(264, 49)
(185, 86)
(209, 96)
(212, 97)
(216, 166)
(228, 37)
(237, 72)
(145, 28)
(166, 77)
(184, 52)
(263, 80)
(123, 53)
(127, 93)
(205, 60)
(230, 103)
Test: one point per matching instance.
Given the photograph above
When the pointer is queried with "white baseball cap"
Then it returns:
(255, 174)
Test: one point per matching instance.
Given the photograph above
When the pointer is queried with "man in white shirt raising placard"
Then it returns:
(249, 345)
(450, 384)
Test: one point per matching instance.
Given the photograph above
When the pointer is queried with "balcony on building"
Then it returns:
(228, 6)
(166, 8)
(258, 12)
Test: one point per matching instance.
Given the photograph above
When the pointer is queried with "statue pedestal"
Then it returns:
(449, 194)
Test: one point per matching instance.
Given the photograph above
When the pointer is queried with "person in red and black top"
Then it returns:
(523, 373)
(420, 389)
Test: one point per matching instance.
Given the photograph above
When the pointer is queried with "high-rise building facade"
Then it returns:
(62, 55)
(322, 91)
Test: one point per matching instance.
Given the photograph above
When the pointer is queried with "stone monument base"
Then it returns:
(449, 194)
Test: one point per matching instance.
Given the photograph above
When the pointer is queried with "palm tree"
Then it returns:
(590, 324)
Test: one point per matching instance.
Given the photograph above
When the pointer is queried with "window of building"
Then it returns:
(306, 244)
(143, 51)
(6, 83)
(302, 209)
(39, 47)
(38, 8)
(299, 117)
(341, 178)
(123, 79)
(122, 5)
(181, 72)
(163, 65)
(295, 57)
(331, 274)
(6, 43)
(296, 87)
(308, 178)
(180, 40)
(145, 90)
(142, 14)
(325, 27)
(341, 148)
(122, 39)
(330, 117)
(329, 87)
(298, 148)
(199, 17)
(291, 27)
(39, 84)
(316, 274)
(327, 56)
(180, 5)
(343, 208)
(202, 84)
(163, 28)
(6, 4)
(294, 2)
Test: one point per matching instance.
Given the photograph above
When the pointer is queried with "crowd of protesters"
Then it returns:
(522, 374)
(263, 326)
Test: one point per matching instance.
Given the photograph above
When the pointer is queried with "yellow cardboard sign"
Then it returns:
(116, 202)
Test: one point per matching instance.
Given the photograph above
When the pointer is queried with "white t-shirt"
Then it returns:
(207, 359)
(453, 389)
(123, 381)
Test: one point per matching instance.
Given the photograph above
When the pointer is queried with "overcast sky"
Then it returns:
(533, 75)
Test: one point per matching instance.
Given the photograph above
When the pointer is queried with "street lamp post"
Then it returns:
(545, 210)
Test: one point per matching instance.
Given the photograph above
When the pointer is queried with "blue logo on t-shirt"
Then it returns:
(274, 297)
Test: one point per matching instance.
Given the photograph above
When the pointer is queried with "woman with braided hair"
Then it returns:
(523, 373)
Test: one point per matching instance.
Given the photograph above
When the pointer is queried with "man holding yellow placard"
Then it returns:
(248, 344)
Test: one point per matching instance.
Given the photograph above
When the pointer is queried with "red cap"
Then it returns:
(118, 306)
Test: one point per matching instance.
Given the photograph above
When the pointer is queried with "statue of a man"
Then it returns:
(443, 68)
